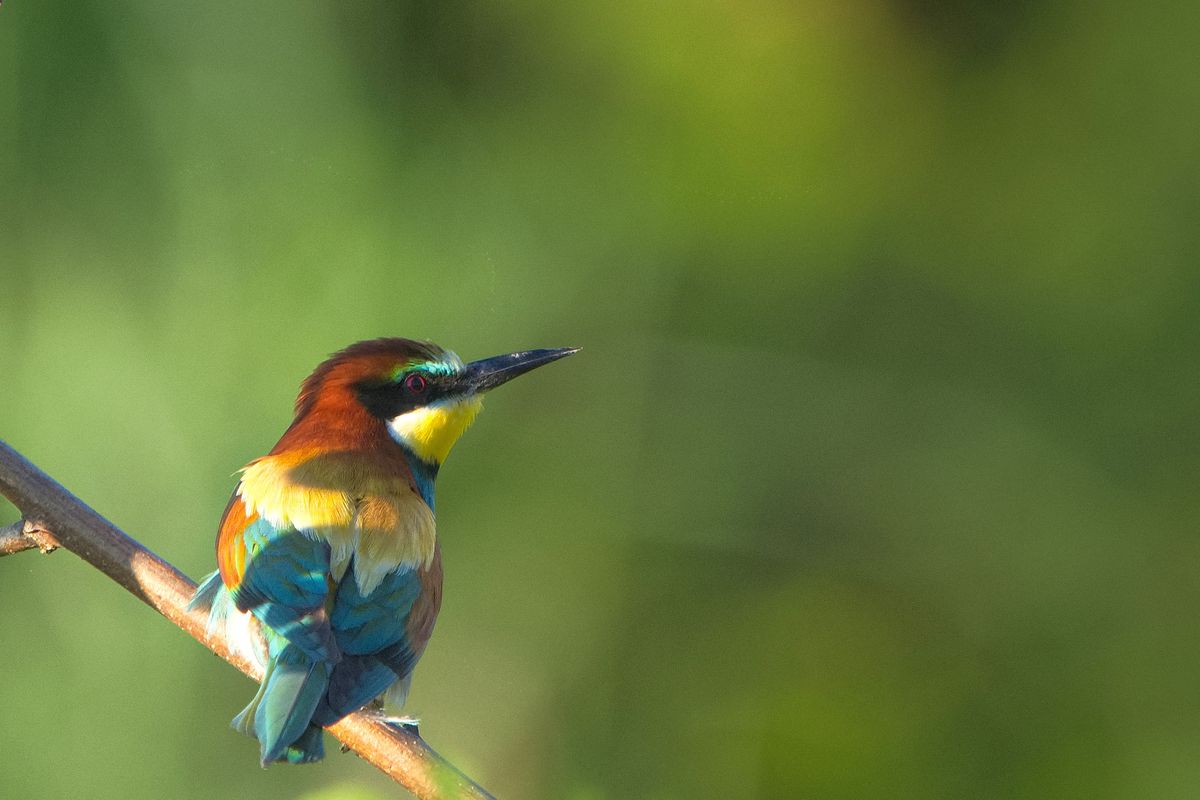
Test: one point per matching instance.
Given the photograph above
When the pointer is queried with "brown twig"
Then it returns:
(26, 535)
(55, 517)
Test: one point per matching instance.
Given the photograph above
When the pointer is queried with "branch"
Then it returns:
(26, 535)
(54, 517)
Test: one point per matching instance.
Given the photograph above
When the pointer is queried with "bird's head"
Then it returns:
(424, 395)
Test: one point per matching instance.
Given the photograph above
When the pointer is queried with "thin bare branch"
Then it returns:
(403, 755)
(26, 535)
(14, 540)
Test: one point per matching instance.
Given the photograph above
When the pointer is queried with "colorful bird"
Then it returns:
(330, 571)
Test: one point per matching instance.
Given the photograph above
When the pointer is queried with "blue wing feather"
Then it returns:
(330, 650)
(364, 625)
(285, 585)
(372, 632)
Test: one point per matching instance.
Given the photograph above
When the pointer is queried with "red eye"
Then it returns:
(416, 384)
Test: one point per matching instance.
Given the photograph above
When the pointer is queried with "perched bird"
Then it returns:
(330, 571)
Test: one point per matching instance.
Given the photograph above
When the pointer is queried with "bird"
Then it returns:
(329, 565)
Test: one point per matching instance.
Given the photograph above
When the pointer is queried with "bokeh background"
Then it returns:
(877, 476)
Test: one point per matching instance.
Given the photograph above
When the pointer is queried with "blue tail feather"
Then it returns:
(283, 709)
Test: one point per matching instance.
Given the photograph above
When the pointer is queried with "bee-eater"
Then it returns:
(330, 571)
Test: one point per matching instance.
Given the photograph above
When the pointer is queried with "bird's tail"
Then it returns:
(280, 715)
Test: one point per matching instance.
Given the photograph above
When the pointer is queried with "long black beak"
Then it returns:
(489, 373)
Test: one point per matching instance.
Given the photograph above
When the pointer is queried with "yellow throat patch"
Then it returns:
(432, 430)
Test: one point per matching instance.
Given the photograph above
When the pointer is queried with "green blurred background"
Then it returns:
(875, 478)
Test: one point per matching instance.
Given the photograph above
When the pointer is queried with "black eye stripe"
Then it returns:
(387, 397)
